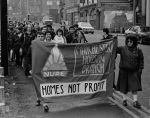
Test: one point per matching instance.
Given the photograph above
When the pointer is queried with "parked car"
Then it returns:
(142, 32)
(48, 22)
(86, 27)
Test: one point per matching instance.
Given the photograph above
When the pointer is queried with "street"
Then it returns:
(21, 95)
(20, 103)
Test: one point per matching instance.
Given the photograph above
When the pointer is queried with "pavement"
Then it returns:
(21, 98)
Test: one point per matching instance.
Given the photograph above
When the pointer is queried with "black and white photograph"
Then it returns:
(74, 58)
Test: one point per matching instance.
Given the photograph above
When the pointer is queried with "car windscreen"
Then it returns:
(85, 25)
(145, 29)
(48, 22)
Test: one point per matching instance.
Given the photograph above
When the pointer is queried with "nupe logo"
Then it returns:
(55, 64)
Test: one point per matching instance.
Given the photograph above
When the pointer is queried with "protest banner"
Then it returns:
(63, 72)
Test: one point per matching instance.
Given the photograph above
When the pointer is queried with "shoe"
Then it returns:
(136, 104)
(124, 103)
(38, 103)
(46, 108)
(29, 76)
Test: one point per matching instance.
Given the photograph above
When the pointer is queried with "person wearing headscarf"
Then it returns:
(130, 69)
(81, 37)
(71, 37)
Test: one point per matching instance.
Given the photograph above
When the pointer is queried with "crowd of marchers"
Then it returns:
(20, 36)
(131, 64)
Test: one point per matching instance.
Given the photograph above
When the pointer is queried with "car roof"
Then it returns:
(83, 22)
(48, 20)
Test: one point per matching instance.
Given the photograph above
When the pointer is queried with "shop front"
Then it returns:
(72, 15)
(88, 14)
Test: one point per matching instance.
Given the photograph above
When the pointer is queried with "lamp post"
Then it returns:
(49, 3)
(137, 14)
(28, 13)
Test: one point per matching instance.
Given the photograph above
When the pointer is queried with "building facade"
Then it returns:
(88, 10)
(72, 11)
(62, 10)
(142, 12)
(114, 14)
(51, 8)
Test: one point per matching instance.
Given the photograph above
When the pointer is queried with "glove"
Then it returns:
(11, 54)
(20, 51)
(140, 71)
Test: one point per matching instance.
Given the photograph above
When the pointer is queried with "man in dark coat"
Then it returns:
(72, 36)
(106, 34)
(17, 45)
(26, 40)
(65, 30)
(50, 29)
(11, 38)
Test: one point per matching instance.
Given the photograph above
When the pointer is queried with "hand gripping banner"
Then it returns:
(75, 72)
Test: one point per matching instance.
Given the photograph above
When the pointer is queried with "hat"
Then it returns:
(49, 26)
(71, 27)
(132, 37)
(106, 30)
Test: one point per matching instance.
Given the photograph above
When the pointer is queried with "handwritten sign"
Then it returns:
(63, 89)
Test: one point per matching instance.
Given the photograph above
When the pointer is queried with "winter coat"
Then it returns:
(130, 60)
(72, 38)
(26, 40)
(17, 42)
(11, 38)
(130, 69)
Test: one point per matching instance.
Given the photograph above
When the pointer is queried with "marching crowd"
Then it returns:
(21, 35)
(131, 64)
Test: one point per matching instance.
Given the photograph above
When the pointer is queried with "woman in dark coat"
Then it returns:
(130, 69)
(81, 37)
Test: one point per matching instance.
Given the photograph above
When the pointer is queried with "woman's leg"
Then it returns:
(135, 99)
(124, 99)
(134, 93)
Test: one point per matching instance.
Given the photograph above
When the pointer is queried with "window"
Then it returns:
(81, 14)
(95, 1)
(90, 2)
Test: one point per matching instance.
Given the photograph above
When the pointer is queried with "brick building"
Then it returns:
(97, 11)
(88, 12)
(51, 8)
(72, 11)
(108, 10)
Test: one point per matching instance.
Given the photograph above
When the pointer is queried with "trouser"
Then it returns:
(18, 58)
(26, 66)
